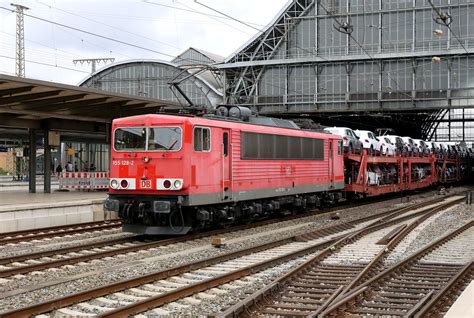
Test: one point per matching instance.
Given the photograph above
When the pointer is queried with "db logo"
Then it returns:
(145, 184)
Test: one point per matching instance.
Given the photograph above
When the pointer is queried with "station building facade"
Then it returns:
(152, 79)
(402, 64)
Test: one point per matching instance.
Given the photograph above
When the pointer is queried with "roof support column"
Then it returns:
(32, 161)
(87, 162)
(47, 163)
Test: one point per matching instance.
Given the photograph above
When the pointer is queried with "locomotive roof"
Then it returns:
(151, 119)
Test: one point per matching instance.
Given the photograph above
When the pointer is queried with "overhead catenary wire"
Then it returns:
(446, 20)
(189, 9)
(346, 28)
(47, 64)
(260, 31)
(108, 25)
(10, 48)
(91, 43)
(443, 19)
(217, 19)
(44, 45)
(93, 34)
(228, 16)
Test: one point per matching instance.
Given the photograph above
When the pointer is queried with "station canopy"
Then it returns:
(27, 103)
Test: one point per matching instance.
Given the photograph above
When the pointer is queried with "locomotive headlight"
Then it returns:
(146, 159)
(178, 184)
(167, 184)
(124, 184)
(114, 184)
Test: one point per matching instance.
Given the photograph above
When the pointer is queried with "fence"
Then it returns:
(83, 180)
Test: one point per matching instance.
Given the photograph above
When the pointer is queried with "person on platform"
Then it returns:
(69, 166)
(92, 167)
(59, 169)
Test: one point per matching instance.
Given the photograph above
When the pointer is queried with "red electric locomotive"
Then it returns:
(173, 174)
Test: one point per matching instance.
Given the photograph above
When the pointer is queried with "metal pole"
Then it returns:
(47, 163)
(20, 40)
(32, 161)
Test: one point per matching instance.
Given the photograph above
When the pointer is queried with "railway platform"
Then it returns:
(20, 210)
(10, 183)
(463, 306)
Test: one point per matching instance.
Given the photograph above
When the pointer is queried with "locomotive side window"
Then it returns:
(277, 147)
(340, 148)
(130, 139)
(225, 139)
(202, 139)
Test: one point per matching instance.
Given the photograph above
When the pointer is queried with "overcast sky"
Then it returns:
(161, 26)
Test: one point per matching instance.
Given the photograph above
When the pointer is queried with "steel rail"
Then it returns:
(134, 282)
(358, 293)
(446, 295)
(52, 228)
(21, 236)
(152, 302)
(101, 291)
(64, 250)
(128, 249)
(108, 253)
(25, 235)
(284, 281)
(394, 238)
(370, 269)
(185, 291)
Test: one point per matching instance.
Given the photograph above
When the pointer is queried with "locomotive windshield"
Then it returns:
(130, 139)
(148, 139)
(164, 138)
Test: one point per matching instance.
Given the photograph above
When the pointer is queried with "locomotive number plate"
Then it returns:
(145, 184)
(123, 163)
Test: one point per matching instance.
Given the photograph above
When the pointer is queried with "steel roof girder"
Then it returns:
(263, 42)
(15, 90)
(54, 100)
(17, 99)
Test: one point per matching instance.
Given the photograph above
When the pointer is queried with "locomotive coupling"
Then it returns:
(161, 206)
(111, 205)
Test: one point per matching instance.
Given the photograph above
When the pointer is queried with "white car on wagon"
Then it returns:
(390, 148)
(370, 142)
(350, 141)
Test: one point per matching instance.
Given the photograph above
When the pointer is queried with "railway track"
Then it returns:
(56, 231)
(26, 263)
(428, 281)
(149, 291)
(311, 287)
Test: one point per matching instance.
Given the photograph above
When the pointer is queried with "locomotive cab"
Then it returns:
(148, 176)
(160, 166)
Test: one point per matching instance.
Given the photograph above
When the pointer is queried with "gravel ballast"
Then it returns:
(77, 278)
